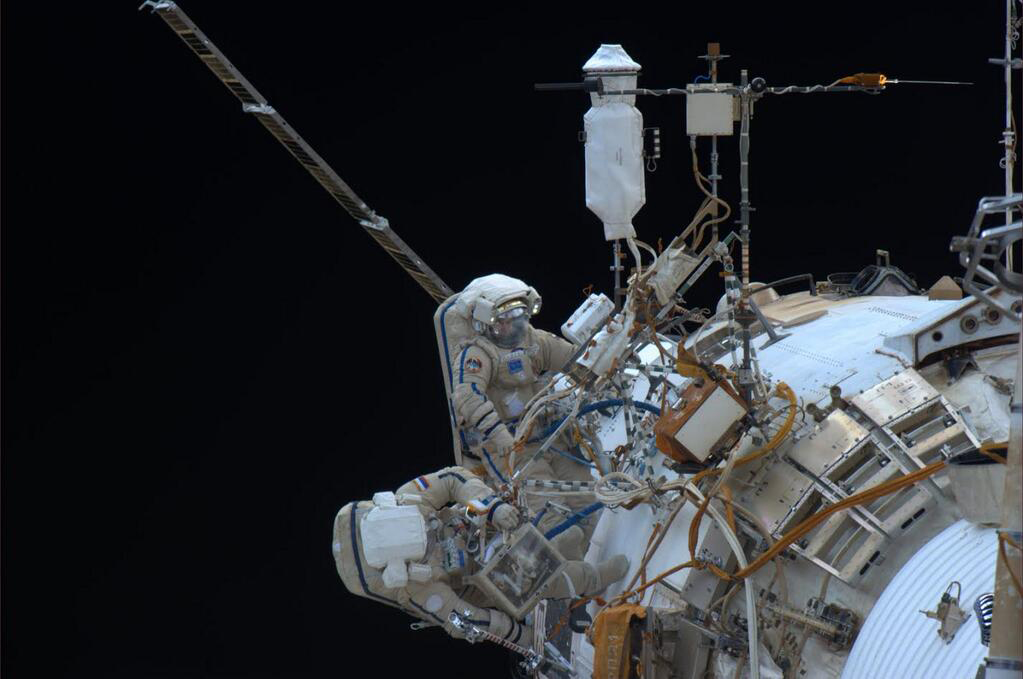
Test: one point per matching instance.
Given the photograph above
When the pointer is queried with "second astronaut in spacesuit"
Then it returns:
(411, 550)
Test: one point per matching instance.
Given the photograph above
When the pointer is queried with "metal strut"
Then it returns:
(253, 102)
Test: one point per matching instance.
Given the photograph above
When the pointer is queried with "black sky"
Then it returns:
(204, 357)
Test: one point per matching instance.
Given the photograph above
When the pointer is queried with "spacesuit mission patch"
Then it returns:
(515, 365)
(473, 365)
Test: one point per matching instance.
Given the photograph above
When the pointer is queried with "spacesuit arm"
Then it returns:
(554, 351)
(471, 374)
(451, 484)
(435, 601)
(458, 485)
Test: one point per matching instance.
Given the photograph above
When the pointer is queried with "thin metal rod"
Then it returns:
(744, 208)
(616, 267)
(1009, 134)
(927, 82)
(714, 176)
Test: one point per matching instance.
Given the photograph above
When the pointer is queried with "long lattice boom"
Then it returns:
(253, 102)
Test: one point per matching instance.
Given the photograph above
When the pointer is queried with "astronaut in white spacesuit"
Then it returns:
(411, 550)
(495, 370)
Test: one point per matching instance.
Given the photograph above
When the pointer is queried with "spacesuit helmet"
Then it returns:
(502, 307)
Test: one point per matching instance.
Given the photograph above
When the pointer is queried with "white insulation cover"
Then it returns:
(610, 59)
(393, 533)
(615, 185)
(897, 640)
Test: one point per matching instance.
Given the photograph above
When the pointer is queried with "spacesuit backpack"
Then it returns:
(374, 543)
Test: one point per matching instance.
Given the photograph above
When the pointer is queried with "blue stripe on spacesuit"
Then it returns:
(461, 380)
(358, 566)
(487, 432)
(461, 366)
(490, 514)
(493, 466)
(478, 392)
(455, 474)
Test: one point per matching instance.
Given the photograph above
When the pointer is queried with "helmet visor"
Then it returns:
(509, 327)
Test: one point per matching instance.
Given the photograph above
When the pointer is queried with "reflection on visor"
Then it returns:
(511, 314)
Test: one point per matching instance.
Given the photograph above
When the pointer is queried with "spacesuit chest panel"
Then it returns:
(514, 381)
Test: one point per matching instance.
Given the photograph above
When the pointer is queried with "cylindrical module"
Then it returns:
(615, 184)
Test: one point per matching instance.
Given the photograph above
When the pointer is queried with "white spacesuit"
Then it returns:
(494, 370)
(410, 550)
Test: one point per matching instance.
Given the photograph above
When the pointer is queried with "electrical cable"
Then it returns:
(597, 405)
(1002, 539)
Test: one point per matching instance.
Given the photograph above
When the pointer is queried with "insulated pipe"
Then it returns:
(740, 557)
(1006, 649)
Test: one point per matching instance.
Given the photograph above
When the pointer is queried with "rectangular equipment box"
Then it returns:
(706, 417)
(709, 112)
(518, 575)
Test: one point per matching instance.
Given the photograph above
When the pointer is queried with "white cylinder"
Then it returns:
(615, 183)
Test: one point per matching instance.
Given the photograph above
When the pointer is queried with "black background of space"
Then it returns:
(204, 357)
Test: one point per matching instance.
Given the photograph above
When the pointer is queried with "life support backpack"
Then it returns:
(358, 576)
(453, 324)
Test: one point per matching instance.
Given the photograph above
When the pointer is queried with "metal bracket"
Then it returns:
(378, 225)
(155, 5)
(996, 663)
(986, 246)
(774, 336)
(265, 109)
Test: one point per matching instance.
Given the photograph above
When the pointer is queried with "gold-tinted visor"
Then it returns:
(511, 309)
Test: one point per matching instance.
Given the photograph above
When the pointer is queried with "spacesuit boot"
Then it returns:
(612, 570)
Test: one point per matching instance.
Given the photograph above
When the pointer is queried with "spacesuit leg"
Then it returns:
(435, 601)
(579, 578)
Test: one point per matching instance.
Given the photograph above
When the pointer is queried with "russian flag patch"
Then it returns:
(422, 483)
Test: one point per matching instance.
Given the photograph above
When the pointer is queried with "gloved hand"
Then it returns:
(506, 517)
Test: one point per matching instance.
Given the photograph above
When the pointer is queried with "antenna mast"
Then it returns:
(1007, 63)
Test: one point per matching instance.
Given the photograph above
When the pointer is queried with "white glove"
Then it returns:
(505, 517)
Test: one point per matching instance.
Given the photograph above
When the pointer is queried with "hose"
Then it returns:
(597, 405)
(572, 520)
